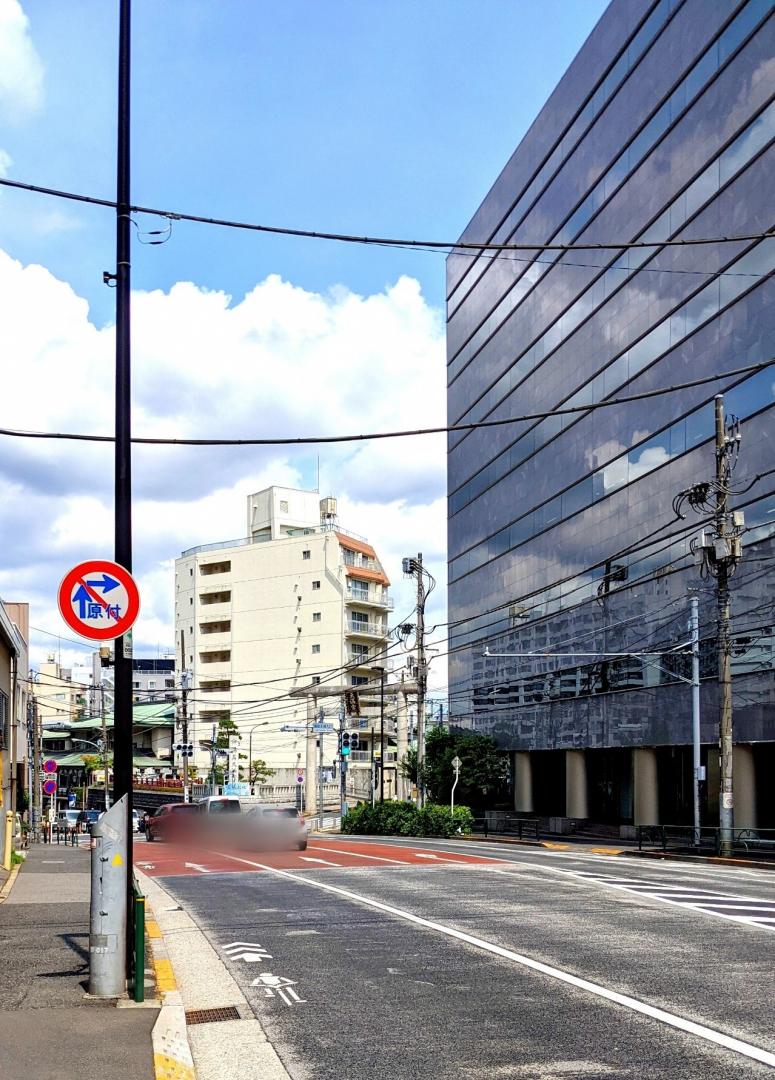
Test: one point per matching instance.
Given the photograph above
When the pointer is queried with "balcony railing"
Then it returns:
(367, 627)
(373, 597)
(363, 562)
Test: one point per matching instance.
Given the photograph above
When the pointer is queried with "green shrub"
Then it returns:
(394, 818)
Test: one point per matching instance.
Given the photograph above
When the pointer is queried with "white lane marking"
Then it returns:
(196, 866)
(709, 1034)
(358, 855)
(309, 858)
(423, 855)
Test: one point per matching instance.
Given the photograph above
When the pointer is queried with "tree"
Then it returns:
(259, 771)
(226, 728)
(483, 770)
(92, 762)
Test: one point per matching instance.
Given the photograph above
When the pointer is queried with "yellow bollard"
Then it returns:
(8, 849)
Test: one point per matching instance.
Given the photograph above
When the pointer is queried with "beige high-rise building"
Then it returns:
(298, 600)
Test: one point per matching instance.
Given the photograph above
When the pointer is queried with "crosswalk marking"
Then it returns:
(750, 910)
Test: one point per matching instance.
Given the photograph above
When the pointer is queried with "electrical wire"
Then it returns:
(380, 241)
(314, 439)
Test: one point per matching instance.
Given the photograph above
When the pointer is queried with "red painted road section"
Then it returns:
(160, 859)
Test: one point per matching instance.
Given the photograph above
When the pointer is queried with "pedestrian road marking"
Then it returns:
(196, 866)
(749, 910)
(719, 1038)
(323, 862)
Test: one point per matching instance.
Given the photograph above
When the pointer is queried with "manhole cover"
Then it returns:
(212, 1016)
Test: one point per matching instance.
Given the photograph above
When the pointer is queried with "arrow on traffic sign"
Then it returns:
(106, 584)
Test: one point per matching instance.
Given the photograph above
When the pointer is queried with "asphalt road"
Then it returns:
(402, 959)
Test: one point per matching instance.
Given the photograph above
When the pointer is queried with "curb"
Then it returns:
(172, 1059)
(10, 881)
(716, 860)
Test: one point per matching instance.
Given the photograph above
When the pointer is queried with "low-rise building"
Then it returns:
(14, 676)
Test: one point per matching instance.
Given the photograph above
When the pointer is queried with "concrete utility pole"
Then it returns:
(721, 550)
(105, 744)
(321, 803)
(36, 787)
(309, 764)
(382, 735)
(699, 773)
(402, 737)
(414, 568)
(185, 684)
(726, 559)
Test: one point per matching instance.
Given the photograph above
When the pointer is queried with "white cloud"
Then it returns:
(6, 162)
(21, 70)
(280, 362)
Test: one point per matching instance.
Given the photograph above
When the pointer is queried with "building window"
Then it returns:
(283, 506)
(316, 648)
(316, 680)
(359, 652)
(359, 589)
(151, 684)
(306, 554)
(358, 680)
(316, 616)
(207, 569)
(135, 685)
(359, 619)
(315, 585)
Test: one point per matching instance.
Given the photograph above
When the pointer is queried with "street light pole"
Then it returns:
(250, 747)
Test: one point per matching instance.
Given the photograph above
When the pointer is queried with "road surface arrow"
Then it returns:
(196, 866)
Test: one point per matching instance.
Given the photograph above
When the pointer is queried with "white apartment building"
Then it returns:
(298, 600)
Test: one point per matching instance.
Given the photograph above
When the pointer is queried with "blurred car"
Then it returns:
(273, 828)
(172, 821)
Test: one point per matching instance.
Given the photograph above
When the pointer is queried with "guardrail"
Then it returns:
(684, 839)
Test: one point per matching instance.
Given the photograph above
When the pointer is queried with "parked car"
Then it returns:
(172, 821)
(273, 828)
(67, 820)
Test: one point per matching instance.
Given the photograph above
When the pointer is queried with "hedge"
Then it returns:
(393, 818)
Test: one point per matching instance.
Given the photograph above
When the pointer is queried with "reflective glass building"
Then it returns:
(562, 534)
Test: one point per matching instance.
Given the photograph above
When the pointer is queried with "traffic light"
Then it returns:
(345, 746)
(354, 741)
(185, 749)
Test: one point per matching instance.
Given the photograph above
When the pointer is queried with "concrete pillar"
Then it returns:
(311, 765)
(645, 800)
(744, 787)
(402, 742)
(576, 784)
(523, 782)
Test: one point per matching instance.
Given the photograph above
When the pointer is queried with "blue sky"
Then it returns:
(389, 118)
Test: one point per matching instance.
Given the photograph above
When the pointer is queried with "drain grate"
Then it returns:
(212, 1016)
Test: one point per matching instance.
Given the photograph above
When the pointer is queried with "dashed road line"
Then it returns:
(690, 1027)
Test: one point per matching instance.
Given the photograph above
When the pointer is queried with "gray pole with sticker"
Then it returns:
(107, 917)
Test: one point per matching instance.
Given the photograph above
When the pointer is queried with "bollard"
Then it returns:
(107, 917)
(8, 840)
(139, 925)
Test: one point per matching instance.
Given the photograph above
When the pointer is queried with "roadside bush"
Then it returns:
(393, 818)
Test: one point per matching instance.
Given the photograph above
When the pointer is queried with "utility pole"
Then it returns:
(342, 764)
(320, 771)
(413, 567)
(382, 735)
(185, 683)
(726, 802)
(105, 743)
(371, 764)
(36, 788)
(698, 772)
(720, 550)
(122, 708)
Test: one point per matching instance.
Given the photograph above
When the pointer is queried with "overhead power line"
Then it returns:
(304, 440)
(378, 241)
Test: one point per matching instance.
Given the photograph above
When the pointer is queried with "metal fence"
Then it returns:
(683, 839)
(503, 823)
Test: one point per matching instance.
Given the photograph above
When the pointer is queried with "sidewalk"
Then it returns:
(48, 1028)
